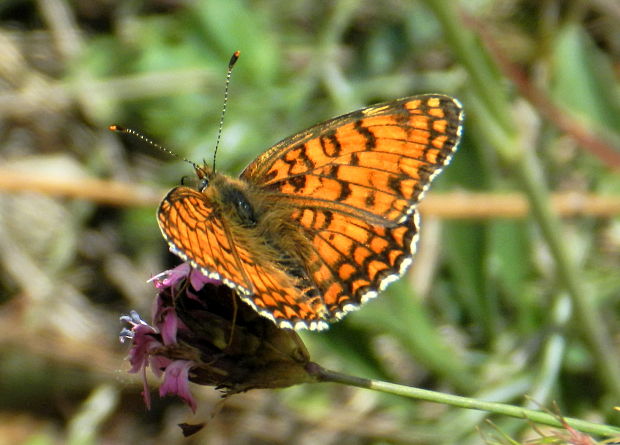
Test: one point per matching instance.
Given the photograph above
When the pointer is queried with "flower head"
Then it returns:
(203, 333)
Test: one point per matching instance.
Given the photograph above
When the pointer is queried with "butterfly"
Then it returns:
(325, 219)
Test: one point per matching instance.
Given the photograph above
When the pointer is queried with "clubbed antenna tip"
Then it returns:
(233, 59)
(231, 64)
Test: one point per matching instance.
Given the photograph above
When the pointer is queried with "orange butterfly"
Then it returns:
(323, 220)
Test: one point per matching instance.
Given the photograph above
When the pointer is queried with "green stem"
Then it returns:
(324, 375)
(591, 324)
(501, 131)
(552, 356)
(468, 50)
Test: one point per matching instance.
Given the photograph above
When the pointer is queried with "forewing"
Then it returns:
(375, 163)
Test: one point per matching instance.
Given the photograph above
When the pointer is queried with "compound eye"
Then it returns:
(203, 184)
(244, 206)
(245, 212)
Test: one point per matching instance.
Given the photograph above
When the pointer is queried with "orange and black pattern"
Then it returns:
(324, 220)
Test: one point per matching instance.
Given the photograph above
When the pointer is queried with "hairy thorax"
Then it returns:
(261, 222)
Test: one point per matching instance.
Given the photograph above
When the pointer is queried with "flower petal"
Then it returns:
(176, 381)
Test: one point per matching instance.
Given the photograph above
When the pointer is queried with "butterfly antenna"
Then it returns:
(152, 143)
(231, 64)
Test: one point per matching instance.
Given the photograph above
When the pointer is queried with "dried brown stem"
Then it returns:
(458, 205)
(584, 136)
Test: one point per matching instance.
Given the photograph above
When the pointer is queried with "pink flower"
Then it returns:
(150, 342)
(145, 339)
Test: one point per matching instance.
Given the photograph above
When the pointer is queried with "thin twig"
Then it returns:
(457, 205)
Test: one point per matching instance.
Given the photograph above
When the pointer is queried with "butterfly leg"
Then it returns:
(233, 323)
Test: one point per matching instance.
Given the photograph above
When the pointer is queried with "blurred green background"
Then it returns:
(517, 309)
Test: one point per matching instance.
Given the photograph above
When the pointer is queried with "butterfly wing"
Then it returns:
(354, 183)
(376, 162)
(197, 232)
